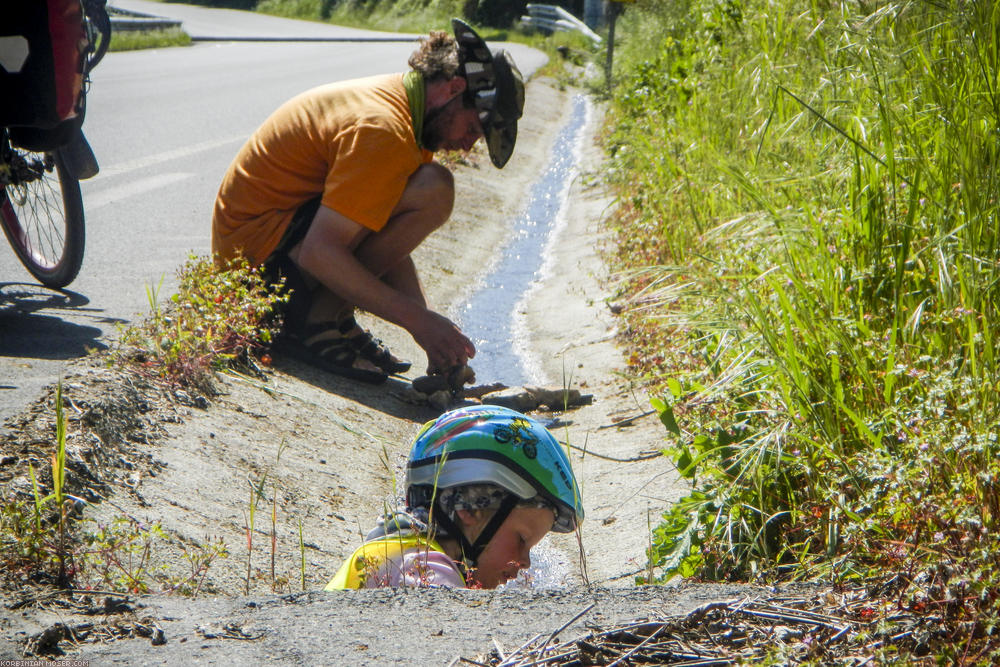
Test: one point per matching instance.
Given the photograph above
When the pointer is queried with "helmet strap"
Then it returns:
(472, 550)
(491, 528)
(451, 529)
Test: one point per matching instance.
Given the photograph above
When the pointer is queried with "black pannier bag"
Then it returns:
(43, 47)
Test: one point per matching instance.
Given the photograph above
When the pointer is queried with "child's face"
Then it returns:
(509, 551)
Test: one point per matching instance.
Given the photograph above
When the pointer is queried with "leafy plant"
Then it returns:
(810, 264)
(120, 554)
(42, 539)
(34, 538)
(219, 318)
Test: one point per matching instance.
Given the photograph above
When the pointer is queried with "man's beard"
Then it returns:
(436, 121)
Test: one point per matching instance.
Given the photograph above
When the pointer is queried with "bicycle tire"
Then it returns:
(45, 225)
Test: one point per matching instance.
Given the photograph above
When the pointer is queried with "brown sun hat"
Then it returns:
(494, 87)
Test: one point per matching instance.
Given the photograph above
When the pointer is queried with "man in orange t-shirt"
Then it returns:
(338, 187)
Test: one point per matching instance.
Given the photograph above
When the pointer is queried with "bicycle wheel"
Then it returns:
(43, 220)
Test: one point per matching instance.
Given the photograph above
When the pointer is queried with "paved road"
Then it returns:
(223, 24)
(164, 125)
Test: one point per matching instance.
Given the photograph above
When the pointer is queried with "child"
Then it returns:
(484, 484)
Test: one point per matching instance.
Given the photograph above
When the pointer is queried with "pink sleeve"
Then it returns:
(420, 567)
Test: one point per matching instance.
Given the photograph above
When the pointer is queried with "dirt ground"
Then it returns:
(328, 453)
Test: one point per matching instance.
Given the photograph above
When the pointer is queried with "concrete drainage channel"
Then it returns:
(491, 317)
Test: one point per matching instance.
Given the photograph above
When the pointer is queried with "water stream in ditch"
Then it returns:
(492, 317)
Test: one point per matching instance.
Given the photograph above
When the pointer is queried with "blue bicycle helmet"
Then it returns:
(493, 445)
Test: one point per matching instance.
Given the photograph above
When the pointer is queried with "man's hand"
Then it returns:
(444, 342)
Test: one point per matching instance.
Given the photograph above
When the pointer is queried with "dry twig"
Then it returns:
(724, 633)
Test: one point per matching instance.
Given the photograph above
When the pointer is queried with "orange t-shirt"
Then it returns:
(351, 143)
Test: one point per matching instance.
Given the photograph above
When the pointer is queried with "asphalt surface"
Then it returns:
(164, 125)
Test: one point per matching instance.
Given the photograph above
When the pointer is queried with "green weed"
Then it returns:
(808, 243)
(249, 517)
(218, 319)
(259, 493)
(148, 39)
(43, 541)
(121, 556)
(35, 538)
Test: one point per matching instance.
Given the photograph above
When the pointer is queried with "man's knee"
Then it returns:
(431, 188)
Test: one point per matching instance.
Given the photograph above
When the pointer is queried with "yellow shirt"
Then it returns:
(397, 560)
(350, 142)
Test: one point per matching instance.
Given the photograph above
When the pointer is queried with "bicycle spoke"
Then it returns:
(39, 209)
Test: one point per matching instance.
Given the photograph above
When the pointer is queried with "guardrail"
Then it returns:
(551, 18)
(124, 20)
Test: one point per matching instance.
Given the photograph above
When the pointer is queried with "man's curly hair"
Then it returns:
(437, 57)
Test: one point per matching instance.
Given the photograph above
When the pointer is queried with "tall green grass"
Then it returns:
(133, 40)
(808, 223)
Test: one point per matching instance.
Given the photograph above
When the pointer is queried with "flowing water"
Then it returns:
(491, 317)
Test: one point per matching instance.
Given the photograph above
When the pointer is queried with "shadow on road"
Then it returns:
(27, 330)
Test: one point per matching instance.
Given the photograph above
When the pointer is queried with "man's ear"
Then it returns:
(457, 85)
(442, 91)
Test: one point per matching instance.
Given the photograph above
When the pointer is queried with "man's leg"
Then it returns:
(425, 205)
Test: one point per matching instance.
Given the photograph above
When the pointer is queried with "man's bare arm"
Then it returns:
(327, 253)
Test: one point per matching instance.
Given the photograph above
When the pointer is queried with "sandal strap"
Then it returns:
(367, 345)
(370, 347)
(345, 326)
(336, 351)
(360, 344)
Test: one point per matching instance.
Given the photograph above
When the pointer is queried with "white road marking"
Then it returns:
(165, 156)
(134, 188)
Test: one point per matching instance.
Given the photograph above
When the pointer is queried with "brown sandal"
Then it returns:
(337, 355)
(364, 343)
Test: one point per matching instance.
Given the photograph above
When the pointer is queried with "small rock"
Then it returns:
(428, 384)
(114, 605)
(481, 390)
(47, 641)
(460, 376)
(558, 399)
(526, 399)
(440, 400)
(518, 400)
(412, 396)
(455, 379)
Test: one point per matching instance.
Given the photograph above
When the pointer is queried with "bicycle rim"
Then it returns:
(43, 221)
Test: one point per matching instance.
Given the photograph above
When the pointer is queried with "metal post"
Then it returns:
(614, 9)
(592, 13)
